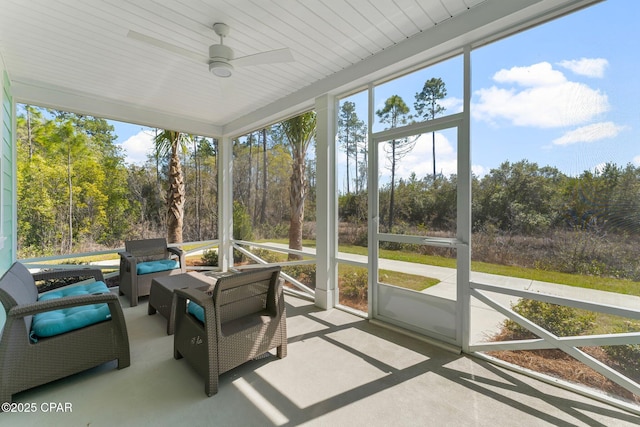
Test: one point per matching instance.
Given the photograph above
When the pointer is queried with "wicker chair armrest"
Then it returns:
(127, 261)
(96, 273)
(211, 320)
(65, 302)
(126, 255)
(279, 296)
(195, 295)
(179, 253)
(175, 250)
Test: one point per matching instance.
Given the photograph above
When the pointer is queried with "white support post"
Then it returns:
(225, 203)
(463, 326)
(326, 212)
(373, 209)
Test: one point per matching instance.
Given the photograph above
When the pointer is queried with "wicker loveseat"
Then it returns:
(242, 317)
(144, 260)
(29, 359)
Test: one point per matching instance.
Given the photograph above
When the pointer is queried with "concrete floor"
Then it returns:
(341, 370)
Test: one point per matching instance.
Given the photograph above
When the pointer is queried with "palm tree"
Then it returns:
(168, 142)
(299, 131)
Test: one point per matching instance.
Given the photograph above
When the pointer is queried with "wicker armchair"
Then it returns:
(134, 284)
(244, 317)
(24, 363)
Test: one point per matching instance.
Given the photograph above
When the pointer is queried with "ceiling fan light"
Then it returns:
(220, 68)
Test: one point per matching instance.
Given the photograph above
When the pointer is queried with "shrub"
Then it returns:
(210, 257)
(354, 285)
(268, 256)
(242, 229)
(306, 274)
(560, 320)
(626, 357)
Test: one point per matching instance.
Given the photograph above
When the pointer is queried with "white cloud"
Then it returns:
(541, 74)
(452, 105)
(590, 67)
(636, 160)
(420, 159)
(590, 133)
(548, 100)
(137, 147)
(479, 171)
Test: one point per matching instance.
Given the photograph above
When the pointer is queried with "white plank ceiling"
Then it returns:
(75, 54)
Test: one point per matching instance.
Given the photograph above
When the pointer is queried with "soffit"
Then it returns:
(76, 55)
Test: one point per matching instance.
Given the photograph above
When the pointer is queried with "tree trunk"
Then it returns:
(198, 189)
(175, 217)
(348, 151)
(70, 185)
(393, 184)
(29, 136)
(296, 199)
(256, 186)
(249, 205)
(264, 177)
(433, 137)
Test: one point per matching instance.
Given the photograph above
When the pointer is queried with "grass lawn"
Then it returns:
(610, 284)
(621, 286)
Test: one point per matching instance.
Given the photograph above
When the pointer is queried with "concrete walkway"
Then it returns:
(485, 320)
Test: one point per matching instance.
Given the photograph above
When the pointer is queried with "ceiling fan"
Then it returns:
(221, 59)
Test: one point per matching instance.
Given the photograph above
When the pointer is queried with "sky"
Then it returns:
(562, 94)
(136, 141)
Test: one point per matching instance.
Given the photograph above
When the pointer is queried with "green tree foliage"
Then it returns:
(520, 198)
(74, 192)
(67, 173)
(269, 163)
(427, 106)
(607, 199)
(395, 113)
(201, 190)
(352, 133)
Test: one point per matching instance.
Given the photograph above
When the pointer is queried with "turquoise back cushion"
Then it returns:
(57, 322)
(155, 266)
(196, 310)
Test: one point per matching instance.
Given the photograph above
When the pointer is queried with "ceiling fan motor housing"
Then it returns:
(220, 52)
(219, 57)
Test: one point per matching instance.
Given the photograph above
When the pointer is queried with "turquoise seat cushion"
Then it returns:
(196, 310)
(56, 322)
(155, 266)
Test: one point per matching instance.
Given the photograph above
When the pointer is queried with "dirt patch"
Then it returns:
(357, 303)
(558, 364)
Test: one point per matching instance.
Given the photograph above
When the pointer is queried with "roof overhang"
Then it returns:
(173, 93)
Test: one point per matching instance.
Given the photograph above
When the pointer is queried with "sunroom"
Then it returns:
(140, 62)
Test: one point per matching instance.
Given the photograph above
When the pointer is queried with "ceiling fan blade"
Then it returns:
(269, 57)
(167, 46)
